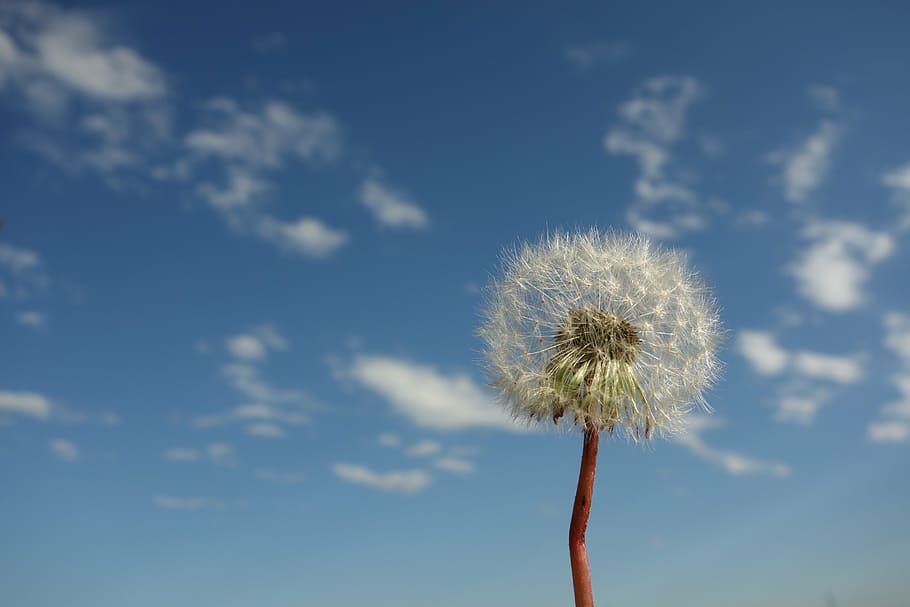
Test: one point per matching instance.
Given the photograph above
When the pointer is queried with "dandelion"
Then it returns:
(605, 332)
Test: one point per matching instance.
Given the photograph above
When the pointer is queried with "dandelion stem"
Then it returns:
(578, 553)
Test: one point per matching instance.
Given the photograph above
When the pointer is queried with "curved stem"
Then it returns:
(578, 553)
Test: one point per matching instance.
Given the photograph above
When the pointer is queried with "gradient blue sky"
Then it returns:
(241, 271)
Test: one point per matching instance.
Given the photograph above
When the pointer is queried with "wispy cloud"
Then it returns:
(397, 481)
(731, 461)
(32, 319)
(898, 181)
(455, 465)
(834, 267)
(651, 122)
(30, 404)
(424, 448)
(256, 344)
(215, 453)
(427, 397)
(893, 424)
(392, 208)
(805, 167)
(64, 449)
(808, 375)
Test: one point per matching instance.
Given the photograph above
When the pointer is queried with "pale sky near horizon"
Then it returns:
(242, 266)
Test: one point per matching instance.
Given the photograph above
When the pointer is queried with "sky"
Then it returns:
(243, 264)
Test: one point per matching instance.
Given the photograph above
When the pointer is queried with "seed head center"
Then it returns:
(592, 336)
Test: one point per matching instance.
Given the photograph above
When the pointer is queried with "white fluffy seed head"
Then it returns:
(605, 330)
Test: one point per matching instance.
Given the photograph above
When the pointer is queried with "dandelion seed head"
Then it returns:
(603, 330)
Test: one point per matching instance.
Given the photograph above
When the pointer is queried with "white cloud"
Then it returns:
(265, 430)
(587, 56)
(424, 448)
(64, 449)
(25, 403)
(306, 236)
(454, 465)
(892, 431)
(651, 123)
(18, 260)
(246, 379)
(170, 502)
(32, 318)
(242, 189)
(805, 168)
(397, 481)
(429, 398)
(219, 452)
(388, 440)
(800, 399)
(840, 369)
(391, 208)
(180, 454)
(246, 347)
(731, 461)
(761, 350)
(832, 271)
(49, 53)
(898, 181)
(254, 412)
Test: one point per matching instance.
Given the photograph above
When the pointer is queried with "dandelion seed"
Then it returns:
(606, 331)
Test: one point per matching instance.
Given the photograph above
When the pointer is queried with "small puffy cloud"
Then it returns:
(592, 54)
(834, 268)
(32, 319)
(424, 448)
(392, 208)
(455, 465)
(64, 449)
(265, 430)
(30, 404)
(898, 181)
(246, 347)
(761, 350)
(840, 369)
(396, 481)
(892, 431)
(805, 168)
(219, 452)
(18, 259)
(247, 379)
(215, 452)
(825, 97)
(734, 463)
(305, 236)
(170, 502)
(428, 398)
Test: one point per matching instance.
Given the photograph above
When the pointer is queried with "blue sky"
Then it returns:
(242, 266)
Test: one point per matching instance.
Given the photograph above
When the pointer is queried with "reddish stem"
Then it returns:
(578, 553)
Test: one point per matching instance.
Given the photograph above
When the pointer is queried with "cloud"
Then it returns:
(805, 168)
(18, 260)
(306, 236)
(762, 352)
(265, 430)
(246, 379)
(397, 481)
(32, 319)
(731, 461)
(427, 397)
(833, 269)
(215, 453)
(825, 97)
(48, 54)
(254, 346)
(170, 502)
(804, 393)
(893, 431)
(424, 448)
(64, 449)
(651, 123)
(898, 181)
(391, 208)
(454, 465)
(29, 404)
(592, 54)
